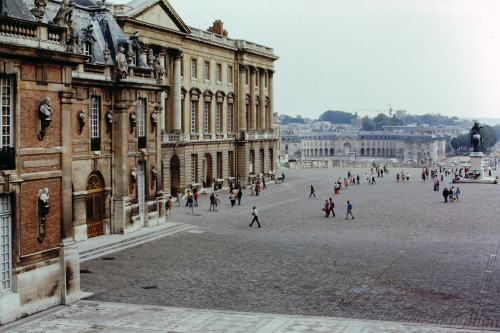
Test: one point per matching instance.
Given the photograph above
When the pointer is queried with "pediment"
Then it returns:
(162, 14)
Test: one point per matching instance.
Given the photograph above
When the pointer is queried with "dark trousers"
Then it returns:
(255, 219)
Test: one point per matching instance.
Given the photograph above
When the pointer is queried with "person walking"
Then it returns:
(179, 198)
(349, 210)
(239, 195)
(255, 217)
(195, 196)
(326, 209)
(283, 177)
(168, 207)
(263, 183)
(190, 204)
(212, 202)
(312, 192)
(331, 208)
(445, 194)
(257, 188)
(232, 199)
(451, 194)
(457, 193)
(216, 202)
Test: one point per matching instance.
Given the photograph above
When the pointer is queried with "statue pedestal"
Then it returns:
(476, 166)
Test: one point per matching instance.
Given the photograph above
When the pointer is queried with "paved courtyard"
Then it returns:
(405, 257)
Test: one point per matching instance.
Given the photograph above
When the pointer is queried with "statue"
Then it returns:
(475, 136)
(45, 109)
(39, 10)
(158, 70)
(63, 16)
(43, 211)
(121, 63)
(44, 113)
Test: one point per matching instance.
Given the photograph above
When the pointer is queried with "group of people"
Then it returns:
(451, 194)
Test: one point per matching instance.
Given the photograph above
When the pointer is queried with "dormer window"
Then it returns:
(136, 56)
(87, 49)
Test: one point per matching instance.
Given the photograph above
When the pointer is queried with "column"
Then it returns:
(242, 126)
(176, 91)
(253, 110)
(262, 92)
(270, 115)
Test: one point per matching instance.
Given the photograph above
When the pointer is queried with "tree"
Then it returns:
(381, 120)
(367, 124)
(288, 120)
(337, 117)
(489, 137)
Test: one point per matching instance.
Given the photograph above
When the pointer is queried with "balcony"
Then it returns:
(7, 158)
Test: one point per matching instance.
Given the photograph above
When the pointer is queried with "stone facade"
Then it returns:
(107, 110)
(364, 145)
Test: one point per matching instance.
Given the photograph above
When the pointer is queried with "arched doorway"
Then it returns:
(332, 151)
(347, 148)
(95, 205)
(207, 169)
(175, 175)
(362, 151)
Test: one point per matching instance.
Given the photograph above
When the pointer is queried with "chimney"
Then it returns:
(218, 28)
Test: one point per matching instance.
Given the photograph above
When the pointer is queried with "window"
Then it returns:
(219, 72)
(87, 48)
(207, 70)
(219, 165)
(246, 76)
(230, 164)
(230, 74)
(5, 244)
(141, 122)
(95, 117)
(194, 168)
(229, 118)
(194, 106)
(219, 117)
(136, 60)
(206, 119)
(252, 161)
(7, 151)
(193, 68)
(262, 159)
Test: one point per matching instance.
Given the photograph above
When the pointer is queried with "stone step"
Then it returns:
(132, 241)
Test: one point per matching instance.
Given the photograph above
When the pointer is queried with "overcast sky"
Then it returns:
(422, 56)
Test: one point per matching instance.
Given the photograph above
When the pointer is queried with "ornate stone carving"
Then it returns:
(39, 10)
(106, 52)
(63, 18)
(133, 121)
(159, 71)
(133, 179)
(154, 120)
(109, 121)
(44, 113)
(121, 63)
(82, 119)
(243, 67)
(43, 211)
(154, 175)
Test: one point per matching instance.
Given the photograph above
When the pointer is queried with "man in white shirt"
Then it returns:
(255, 217)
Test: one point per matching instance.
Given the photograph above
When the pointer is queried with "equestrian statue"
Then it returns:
(475, 136)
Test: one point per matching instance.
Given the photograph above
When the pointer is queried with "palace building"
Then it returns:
(106, 111)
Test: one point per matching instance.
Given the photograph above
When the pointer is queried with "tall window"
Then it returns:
(229, 118)
(270, 158)
(5, 243)
(136, 60)
(194, 168)
(219, 165)
(262, 160)
(219, 72)
(246, 77)
(252, 161)
(206, 117)
(207, 70)
(95, 117)
(219, 117)
(141, 122)
(230, 74)
(230, 164)
(266, 112)
(6, 121)
(194, 106)
(193, 68)
(247, 107)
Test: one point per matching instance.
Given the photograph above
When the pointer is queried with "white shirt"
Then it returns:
(254, 212)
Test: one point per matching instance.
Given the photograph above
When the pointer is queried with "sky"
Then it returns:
(365, 56)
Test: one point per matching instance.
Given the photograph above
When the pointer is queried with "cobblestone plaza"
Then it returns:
(406, 256)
